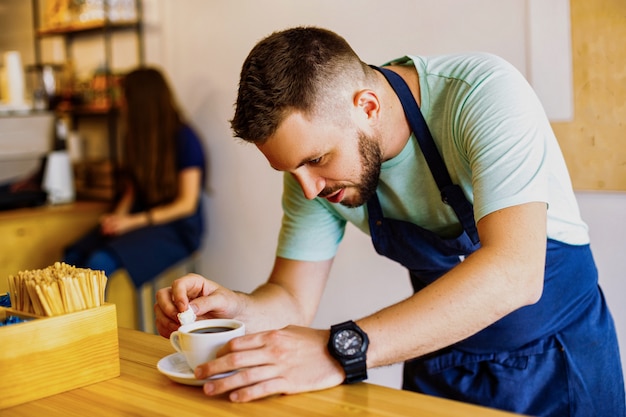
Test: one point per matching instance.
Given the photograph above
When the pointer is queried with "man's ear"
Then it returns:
(366, 102)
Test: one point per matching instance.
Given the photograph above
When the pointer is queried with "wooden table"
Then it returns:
(142, 391)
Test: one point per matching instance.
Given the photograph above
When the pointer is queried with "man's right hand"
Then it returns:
(206, 298)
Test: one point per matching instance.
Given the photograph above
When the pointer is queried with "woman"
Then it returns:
(157, 221)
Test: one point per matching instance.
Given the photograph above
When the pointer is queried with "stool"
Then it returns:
(135, 305)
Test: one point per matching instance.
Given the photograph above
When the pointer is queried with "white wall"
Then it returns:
(202, 44)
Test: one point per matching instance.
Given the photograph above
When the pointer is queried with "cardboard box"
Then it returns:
(49, 355)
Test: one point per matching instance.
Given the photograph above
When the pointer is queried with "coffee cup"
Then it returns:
(199, 341)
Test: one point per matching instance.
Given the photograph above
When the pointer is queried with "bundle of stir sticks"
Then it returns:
(57, 289)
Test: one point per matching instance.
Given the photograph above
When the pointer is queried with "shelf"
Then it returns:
(95, 100)
(87, 110)
(95, 194)
(91, 26)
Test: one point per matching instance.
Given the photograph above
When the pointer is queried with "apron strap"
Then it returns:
(419, 127)
(451, 194)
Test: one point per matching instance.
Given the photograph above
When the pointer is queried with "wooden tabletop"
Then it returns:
(142, 390)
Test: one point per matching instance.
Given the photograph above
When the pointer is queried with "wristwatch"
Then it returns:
(348, 344)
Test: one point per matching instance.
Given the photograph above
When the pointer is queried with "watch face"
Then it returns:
(348, 342)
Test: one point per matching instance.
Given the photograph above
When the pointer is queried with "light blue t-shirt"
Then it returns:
(496, 142)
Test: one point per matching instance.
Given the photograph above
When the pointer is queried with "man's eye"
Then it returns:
(315, 161)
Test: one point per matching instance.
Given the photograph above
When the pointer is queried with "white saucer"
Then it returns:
(175, 367)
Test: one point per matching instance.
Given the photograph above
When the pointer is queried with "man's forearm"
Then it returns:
(270, 306)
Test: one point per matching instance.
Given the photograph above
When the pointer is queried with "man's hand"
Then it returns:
(206, 298)
(287, 361)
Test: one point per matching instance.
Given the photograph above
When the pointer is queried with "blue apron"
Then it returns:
(558, 357)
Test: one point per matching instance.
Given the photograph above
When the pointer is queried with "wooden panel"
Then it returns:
(56, 354)
(594, 143)
(35, 238)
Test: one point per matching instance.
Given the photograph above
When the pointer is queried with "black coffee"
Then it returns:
(215, 329)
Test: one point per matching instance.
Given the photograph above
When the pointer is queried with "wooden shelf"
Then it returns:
(87, 110)
(91, 26)
(95, 100)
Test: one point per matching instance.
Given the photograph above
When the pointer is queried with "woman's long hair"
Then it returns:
(149, 141)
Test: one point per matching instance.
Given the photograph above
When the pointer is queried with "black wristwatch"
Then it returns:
(348, 344)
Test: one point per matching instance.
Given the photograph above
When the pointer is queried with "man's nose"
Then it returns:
(311, 185)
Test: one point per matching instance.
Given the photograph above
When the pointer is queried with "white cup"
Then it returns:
(199, 341)
(14, 73)
(58, 178)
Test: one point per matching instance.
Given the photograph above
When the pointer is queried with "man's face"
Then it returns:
(339, 164)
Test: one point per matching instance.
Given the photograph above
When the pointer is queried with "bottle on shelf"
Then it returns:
(58, 177)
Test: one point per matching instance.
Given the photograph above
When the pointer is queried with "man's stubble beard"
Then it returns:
(371, 162)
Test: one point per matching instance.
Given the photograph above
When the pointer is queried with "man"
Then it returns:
(507, 311)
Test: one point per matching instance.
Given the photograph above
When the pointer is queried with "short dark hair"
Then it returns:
(292, 70)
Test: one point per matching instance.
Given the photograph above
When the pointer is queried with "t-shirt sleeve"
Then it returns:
(309, 231)
(190, 151)
(504, 135)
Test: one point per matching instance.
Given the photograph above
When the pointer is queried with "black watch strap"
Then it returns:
(355, 371)
(354, 366)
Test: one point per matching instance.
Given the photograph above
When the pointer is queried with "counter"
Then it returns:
(34, 238)
(141, 390)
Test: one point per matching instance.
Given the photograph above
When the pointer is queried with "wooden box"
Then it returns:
(48, 355)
